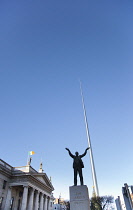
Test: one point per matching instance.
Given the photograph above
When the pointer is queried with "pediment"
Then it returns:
(44, 179)
(41, 178)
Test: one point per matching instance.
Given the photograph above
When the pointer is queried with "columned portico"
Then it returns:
(24, 199)
(23, 188)
(31, 198)
(8, 200)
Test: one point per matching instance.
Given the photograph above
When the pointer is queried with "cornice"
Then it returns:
(30, 178)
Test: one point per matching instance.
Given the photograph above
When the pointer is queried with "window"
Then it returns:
(4, 184)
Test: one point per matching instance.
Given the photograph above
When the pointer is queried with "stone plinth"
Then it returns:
(79, 198)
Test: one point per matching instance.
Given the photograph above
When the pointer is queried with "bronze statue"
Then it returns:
(77, 165)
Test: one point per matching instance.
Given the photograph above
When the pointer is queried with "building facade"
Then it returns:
(118, 203)
(23, 188)
(59, 204)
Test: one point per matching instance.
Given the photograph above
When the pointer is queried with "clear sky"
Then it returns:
(45, 47)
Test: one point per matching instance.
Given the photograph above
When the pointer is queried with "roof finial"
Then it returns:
(50, 179)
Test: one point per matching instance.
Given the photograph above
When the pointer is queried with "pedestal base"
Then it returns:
(79, 198)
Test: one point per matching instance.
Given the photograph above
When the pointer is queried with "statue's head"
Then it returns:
(76, 153)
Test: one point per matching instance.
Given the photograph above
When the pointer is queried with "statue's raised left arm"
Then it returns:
(84, 152)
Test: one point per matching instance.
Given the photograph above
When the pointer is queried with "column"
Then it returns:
(49, 203)
(8, 199)
(41, 201)
(36, 200)
(24, 199)
(31, 198)
(15, 206)
(46, 203)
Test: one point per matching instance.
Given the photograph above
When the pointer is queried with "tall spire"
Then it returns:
(94, 178)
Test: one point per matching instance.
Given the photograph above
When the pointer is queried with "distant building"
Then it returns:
(59, 204)
(118, 203)
(127, 192)
(127, 201)
(61, 201)
(23, 188)
(59, 207)
(56, 201)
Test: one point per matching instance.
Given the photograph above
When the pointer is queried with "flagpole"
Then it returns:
(29, 154)
(28, 158)
(94, 178)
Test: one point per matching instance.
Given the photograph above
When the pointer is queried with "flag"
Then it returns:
(31, 152)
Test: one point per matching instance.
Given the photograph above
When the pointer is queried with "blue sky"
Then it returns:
(45, 48)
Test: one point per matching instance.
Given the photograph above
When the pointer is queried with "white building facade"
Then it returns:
(59, 207)
(23, 188)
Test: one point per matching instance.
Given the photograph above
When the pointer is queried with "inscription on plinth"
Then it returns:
(79, 198)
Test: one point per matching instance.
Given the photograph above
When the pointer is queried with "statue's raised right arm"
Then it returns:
(70, 152)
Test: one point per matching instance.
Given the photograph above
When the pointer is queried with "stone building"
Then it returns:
(23, 188)
(59, 204)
